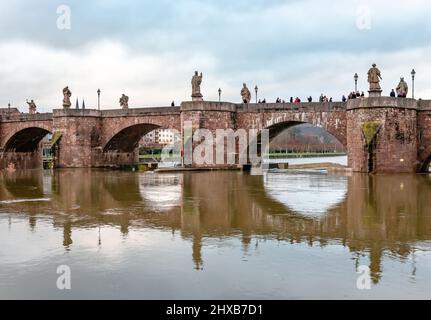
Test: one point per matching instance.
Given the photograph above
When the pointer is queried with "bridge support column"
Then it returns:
(80, 137)
(115, 159)
(210, 116)
(22, 160)
(382, 135)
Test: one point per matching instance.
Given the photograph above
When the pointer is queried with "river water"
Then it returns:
(214, 235)
(331, 159)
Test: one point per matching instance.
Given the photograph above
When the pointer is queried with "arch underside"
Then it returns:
(26, 140)
(276, 129)
(127, 140)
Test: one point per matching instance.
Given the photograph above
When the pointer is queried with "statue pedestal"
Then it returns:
(197, 97)
(375, 93)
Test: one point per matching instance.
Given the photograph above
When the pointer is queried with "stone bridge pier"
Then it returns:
(383, 135)
(380, 134)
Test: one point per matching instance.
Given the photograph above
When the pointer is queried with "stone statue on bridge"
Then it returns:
(31, 107)
(196, 87)
(402, 89)
(245, 94)
(374, 77)
(124, 101)
(66, 100)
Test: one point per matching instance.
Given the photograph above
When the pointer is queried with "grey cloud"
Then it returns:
(287, 47)
(255, 29)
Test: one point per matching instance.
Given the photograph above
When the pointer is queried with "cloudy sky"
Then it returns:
(149, 49)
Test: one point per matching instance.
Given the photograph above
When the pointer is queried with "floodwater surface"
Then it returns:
(214, 235)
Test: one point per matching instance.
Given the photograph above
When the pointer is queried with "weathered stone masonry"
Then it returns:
(395, 146)
(424, 134)
(91, 138)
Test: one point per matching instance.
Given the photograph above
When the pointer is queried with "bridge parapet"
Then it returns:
(424, 105)
(295, 107)
(259, 107)
(116, 112)
(140, 112)
(76, 113)
(382, 102)
(26, 117)
(208, 106)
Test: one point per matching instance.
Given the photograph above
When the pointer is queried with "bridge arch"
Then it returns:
(122, 134)
(127, 139)
(20, 147)
(331, 117)
(334, 126)
(277, 128)
(25, 140)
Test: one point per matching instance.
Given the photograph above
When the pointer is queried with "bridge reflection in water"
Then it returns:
(369, 215)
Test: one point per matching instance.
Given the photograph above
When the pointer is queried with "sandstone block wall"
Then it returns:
(395, 146)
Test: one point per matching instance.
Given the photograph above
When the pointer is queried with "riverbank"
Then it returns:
(329, 166)
(333, 167)
(330, 163)
(305, 155)
(272, 155)
(181, 169)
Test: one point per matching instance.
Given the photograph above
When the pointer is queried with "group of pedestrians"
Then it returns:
(279, 100)
(354, 95)
(324, 98)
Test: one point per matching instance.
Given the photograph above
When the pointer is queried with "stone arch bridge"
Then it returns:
(398, 138)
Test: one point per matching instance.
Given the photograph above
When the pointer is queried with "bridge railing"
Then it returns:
(26, 117)
(115, 112)
(294, 107)
(424, 105)
(139, 111)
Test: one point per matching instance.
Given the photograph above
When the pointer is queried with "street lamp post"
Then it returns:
(255, 90)
(219, 94)
(413, 83)
(98, 99)
(8, 109)
(356, 77)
